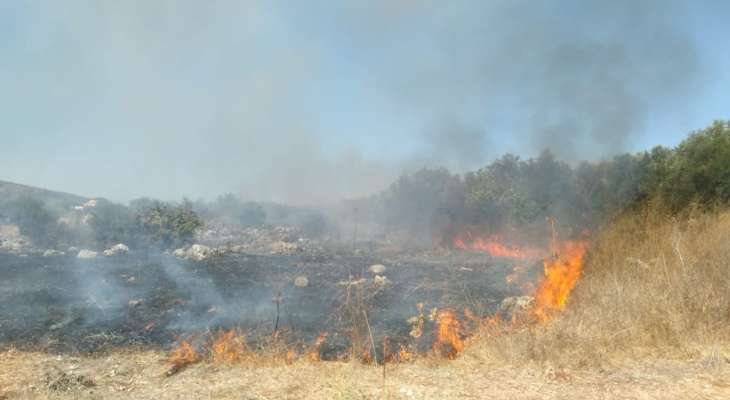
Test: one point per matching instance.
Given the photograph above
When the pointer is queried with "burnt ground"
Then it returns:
(68, 305)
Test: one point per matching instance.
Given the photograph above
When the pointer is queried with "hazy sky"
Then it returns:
(304, 101)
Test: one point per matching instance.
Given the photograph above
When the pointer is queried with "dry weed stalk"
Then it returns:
(652, 283)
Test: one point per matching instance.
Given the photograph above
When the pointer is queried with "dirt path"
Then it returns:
(140, 376)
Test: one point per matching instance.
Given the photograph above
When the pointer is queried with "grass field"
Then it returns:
(649, 319)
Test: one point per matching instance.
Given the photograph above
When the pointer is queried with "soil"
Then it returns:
(70, 306)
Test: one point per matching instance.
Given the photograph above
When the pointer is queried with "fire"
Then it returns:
(448, 334)
(314, 351)
(562, 272)
(404, 354)
(494, 245)
(182, 356)
(228, 347)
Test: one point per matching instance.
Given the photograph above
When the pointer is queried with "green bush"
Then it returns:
(165, 225)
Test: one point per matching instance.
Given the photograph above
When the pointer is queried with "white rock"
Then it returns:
(381, 281)
(117, 249)
(86, 254)
(52, 253)
(198, 252)
(377, 269)
(301, 281)
(179, 253)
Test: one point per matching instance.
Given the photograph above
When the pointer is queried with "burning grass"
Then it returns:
(652, 284)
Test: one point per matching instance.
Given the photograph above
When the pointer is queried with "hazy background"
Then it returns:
(312, 101)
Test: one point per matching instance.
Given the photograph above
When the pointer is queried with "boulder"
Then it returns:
(381, 282)
(301, 281)
(52, 253)
(377, 269)
(117, 249)
(284, 247)
(86, 254)
(196, 252)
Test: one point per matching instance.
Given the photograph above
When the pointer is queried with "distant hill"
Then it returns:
(10, 192)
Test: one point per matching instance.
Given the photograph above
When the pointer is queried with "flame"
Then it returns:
(448, 334)
(228, 347)
(561, 274)
(183, 355)
(314, 351)
(494, 245)
(405, 355)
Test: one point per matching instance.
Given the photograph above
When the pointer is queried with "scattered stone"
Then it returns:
(117, 249)
(301, 281)
(53, 253)
(377, 269)
(86, 254)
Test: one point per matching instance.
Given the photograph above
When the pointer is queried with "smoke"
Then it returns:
(313, 102)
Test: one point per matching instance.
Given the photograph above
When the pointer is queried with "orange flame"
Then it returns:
(404, 355)
(228, 347)
(561, 274)
(448, 334)
(314, 351)
(183, 355)
(494, 246)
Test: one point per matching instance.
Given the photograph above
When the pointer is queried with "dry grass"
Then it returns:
(141, 375)
(653, 285)
(649, 319)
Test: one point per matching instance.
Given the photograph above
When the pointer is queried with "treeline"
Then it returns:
(147, 223)
(143, 223)
(511, 192)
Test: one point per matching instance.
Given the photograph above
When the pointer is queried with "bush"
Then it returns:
(165, 225)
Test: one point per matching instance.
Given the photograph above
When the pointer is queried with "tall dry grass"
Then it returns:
(653, 284)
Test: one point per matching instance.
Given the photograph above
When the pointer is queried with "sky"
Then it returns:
(307, 102)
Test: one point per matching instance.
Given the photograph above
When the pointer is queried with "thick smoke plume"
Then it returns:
(317, 101)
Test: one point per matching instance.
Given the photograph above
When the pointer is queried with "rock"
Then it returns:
(86, 254)
(199, 252)
(179, 253)
(381, 281)
(516, 305)
(377, 269)
(301, 281)
(196, 252)
(135, 302)
(53, 253)
(284, 247)
(117, 249)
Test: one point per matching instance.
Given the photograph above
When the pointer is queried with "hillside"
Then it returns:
(10, 192)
